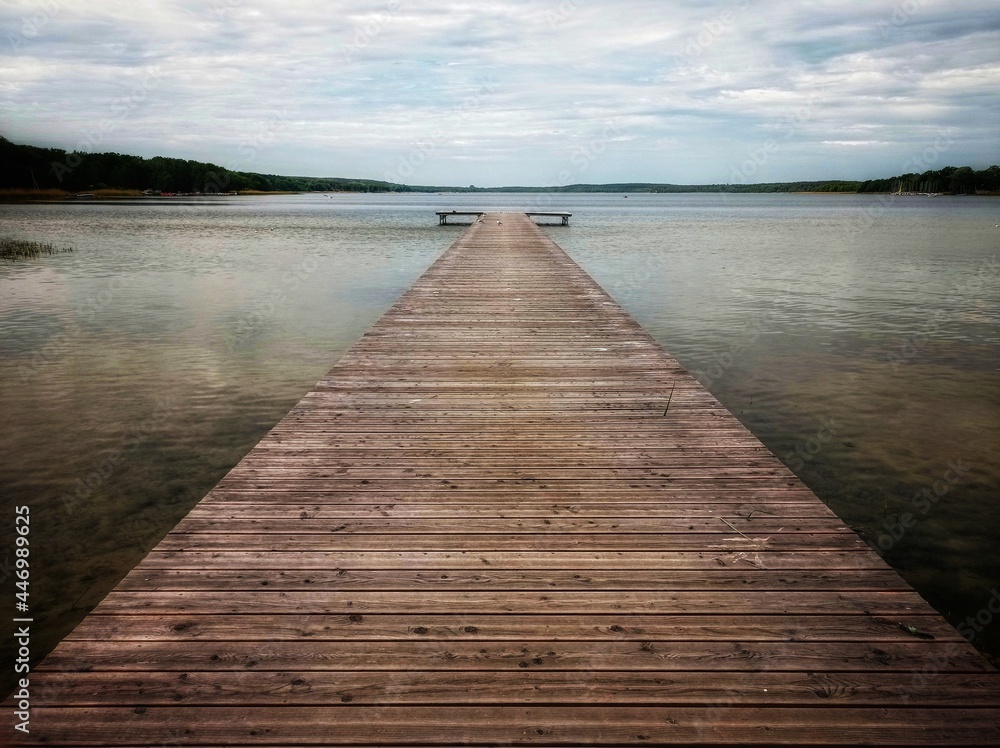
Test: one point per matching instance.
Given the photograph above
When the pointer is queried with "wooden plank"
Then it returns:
(490, 725)
(663, 561)
(742, 512)
(521, 627)
(673, 497)
(255, 687)
(710, 542)
(531, 526)
(881, 603)
(717, 580)
(294, 476)
(580, 658)
(441, 483)
(293, 464)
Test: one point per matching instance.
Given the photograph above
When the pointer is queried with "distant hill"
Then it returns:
(961, 180)
(28, 167)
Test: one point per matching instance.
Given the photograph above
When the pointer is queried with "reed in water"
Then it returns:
(12, 249)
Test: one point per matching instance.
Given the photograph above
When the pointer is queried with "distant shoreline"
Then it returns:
(34, 173)
(59, 196)
(16, 196)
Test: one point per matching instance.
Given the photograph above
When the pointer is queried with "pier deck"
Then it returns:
(485, 526)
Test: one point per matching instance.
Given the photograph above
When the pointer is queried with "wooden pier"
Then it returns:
(505, 517)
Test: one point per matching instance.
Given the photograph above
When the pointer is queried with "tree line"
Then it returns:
(824, 186)
(960, 180)
(29, 167)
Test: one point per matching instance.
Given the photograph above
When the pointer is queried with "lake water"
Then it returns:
(857, 336)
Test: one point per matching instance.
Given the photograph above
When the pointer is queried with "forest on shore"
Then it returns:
(53, 171)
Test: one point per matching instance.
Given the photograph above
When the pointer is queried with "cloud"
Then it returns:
(515, 92)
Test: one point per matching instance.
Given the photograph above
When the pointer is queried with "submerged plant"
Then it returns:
(12, 249)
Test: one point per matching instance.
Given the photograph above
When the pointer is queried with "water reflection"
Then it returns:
(140, 368)
(799, 314)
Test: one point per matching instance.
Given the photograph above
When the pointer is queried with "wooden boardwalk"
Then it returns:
(485, 526)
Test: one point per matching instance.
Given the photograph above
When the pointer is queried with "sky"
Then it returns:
(512, 92)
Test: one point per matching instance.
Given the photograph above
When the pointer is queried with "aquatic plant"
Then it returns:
(12, 249)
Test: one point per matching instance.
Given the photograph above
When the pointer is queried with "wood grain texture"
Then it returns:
(507, 516)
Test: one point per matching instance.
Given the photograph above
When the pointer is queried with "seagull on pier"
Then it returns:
(498, 222)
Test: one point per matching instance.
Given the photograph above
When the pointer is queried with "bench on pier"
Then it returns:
(444, 215)
(556, 214)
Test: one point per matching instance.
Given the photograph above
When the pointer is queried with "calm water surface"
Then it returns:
(856, 336)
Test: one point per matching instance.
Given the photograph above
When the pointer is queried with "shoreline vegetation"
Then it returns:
(34, 173)
(14, 249)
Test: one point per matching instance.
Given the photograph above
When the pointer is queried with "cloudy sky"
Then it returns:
(538, 92)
